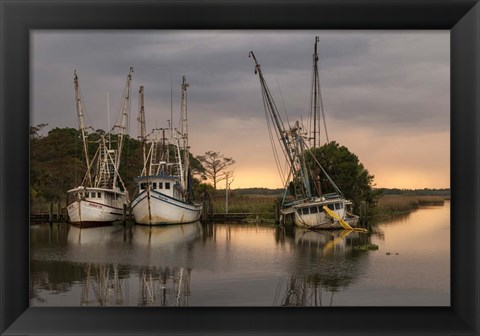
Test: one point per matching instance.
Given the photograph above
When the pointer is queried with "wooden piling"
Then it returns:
(277, 212)
(124, 217)
(205, 210)
(210, 209)
(50, 212)
(58, 213)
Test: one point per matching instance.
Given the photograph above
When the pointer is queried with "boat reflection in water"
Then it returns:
(104, 285)
(165, 236)
(325, 263)
(164, 286)
(108, 285)
(85, 236)
(165, 245)
(326, 241)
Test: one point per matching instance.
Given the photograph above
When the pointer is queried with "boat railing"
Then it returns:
(331, 196)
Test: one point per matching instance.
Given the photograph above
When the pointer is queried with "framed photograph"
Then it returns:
(95, 131)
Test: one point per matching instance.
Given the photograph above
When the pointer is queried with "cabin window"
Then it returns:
(167, 185)
(305, 211)
(93, 195)
(313, 210)
(337, 206)
(154, 185)
(331, 206)
(87, 195)
(142, 186)
(99, 195)
(160, 185)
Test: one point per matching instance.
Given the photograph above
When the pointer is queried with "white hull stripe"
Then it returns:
(166, 201)
(105, 205)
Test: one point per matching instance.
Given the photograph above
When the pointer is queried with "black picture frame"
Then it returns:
(19, 17)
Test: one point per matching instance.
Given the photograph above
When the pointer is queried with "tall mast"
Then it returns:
(123, 123)
(81, 125)
(315, 93)
(184, 131)
(141, 122)
(141, 116)
(273, 111)
(184, 128)
(291, 139)
(317, 102)
(171, 109)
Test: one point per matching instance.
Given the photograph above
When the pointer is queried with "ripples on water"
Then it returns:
(244, 265)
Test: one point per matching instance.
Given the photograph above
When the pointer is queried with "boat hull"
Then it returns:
(319, 222)
(89, 214)
(154, 208)
(311, 214)
(95, 212)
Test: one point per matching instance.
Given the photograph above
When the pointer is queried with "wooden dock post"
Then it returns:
(205, 211)
(277, 212)
(210, 209)
(50, 213)
(58, 212)
(124, 218)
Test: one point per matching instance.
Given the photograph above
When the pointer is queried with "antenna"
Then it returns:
(171, 107)
(108, 121)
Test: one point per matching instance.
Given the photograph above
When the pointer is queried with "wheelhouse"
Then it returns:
(166, 185)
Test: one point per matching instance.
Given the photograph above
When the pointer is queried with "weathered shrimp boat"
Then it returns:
(102, 196)
(165, 194)
(310, 207)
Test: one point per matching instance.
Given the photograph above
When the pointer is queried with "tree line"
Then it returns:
(57, 164)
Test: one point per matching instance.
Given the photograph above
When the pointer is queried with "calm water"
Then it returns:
(244, 265)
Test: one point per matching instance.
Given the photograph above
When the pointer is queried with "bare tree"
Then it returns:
(214, 164)
(35, 129)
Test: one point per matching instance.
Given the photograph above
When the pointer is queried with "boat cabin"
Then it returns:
(337, 206)
(164, 184)
(98, 195)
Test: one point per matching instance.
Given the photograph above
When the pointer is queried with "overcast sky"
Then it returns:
(386, 94)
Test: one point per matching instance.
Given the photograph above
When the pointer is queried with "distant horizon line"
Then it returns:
(391, 188)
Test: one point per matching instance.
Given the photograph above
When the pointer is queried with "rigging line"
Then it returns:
(76, 161)
(272, 141)
(322, 110)
(286, 170)
(323, 170)
(274, 111)
(85, 112)
(108, 121)
(286, 186)
(283, 102)
(277, 157)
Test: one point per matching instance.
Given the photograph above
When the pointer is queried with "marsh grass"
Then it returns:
(397, 204)
(263, 206)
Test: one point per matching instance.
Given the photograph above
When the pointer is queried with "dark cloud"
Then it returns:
(385, 83)
(374, 77)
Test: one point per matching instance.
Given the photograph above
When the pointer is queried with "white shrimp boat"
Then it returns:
(310, 208)
(165, 193)
(101, 198)
(326, 212)
(161, 201)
